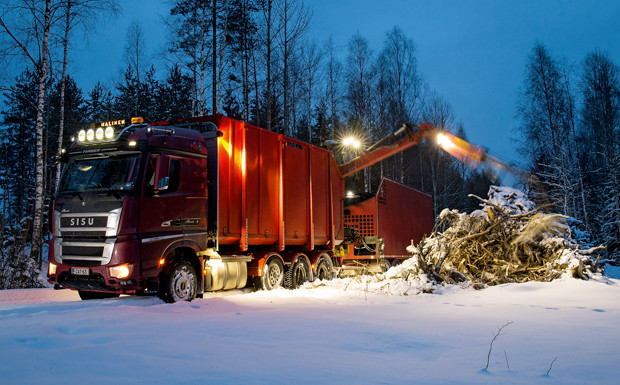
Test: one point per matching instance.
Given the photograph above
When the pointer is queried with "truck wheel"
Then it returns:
(385, 265)
(272, 277)
(180, 283)
(325, 269)
(296, 274)
(86, 295)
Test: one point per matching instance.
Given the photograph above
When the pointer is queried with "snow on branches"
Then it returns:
(508, 240)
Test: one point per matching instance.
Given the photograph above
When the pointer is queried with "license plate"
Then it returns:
(80, 271)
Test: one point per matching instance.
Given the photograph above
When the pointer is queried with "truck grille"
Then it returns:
(86, 237)
(82, 250)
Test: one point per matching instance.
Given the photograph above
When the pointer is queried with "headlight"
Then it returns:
(82, 135)
(51, 269)
(121, 271)
(99, 133)
(109, 132)
(90, 135)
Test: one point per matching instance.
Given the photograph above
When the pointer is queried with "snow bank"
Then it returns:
(317, 336)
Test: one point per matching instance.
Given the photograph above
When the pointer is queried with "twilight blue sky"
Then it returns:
(471, 52)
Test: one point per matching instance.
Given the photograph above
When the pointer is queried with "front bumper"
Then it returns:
(97, 277)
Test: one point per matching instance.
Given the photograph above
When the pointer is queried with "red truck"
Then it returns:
(181, 207)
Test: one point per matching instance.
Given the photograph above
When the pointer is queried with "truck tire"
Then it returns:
(86, 295)
(297, 274)
(384, 265)
(180, 283)
(325, 269)
(273, 276)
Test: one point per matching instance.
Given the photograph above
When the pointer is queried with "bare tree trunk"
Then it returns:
(202, 61)
(269, 48)
(63, 83)
(38, 202)
(222, 57)
(245, 67)
(256, 94)
(285, 69)
(214, 56)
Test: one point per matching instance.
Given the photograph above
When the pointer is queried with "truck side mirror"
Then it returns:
(162, 173)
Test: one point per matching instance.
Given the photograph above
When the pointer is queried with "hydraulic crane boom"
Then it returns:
(380, 150)
(409, 135)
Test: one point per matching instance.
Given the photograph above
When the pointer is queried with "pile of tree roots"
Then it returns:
(508, 240)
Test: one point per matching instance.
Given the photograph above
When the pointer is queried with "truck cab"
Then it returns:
(126, 193)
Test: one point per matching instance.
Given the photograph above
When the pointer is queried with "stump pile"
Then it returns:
(508, 240)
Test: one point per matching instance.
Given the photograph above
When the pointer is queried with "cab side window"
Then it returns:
(173, 183)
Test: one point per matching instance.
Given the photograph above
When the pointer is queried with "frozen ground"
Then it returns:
(321, 335)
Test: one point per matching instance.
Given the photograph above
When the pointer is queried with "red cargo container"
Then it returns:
(275, 191)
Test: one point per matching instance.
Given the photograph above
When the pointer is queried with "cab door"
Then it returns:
(161, 210)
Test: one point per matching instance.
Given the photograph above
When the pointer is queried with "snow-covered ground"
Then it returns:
(320, 335)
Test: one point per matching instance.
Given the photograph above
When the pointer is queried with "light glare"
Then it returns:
(444, 141)
(351, 141)
(109, 132)
(121, 271)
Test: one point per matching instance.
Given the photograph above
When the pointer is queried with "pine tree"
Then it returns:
(18, 139)
(99, 105)
(175, 95)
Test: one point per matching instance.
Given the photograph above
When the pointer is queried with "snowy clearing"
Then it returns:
(321, 335)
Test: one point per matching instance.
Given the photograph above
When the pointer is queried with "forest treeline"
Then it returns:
(569, 129)
(255, 60)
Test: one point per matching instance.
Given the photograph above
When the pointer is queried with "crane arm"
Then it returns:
(413, 135)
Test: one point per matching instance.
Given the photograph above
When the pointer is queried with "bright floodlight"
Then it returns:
(441, 139)
(351, 141)
(109, 132)
(99, 133)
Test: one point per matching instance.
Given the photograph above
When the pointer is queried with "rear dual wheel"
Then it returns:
(325, 269)
(273, 276)
(297, 274)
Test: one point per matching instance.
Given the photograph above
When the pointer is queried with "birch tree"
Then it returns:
(360, 80)
(78, 15)
(294, 20)
(243, 41)
(333, 71)
(41, 15)
(445, 181)
(401, 87)
(546, 129)
(190, 43)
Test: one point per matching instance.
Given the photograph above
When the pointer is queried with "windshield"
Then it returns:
(112, 173)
